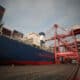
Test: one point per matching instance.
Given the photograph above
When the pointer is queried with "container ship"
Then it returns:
(14, 51)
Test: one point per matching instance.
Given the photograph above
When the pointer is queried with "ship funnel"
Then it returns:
(42, 39)
(42, 33)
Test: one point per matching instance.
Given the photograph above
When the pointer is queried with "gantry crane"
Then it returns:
(71, 52)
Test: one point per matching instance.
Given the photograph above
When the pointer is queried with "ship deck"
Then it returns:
(36, 72)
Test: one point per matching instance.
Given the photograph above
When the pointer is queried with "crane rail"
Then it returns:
(73, 74)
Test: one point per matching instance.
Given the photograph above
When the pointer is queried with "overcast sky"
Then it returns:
(38, 15)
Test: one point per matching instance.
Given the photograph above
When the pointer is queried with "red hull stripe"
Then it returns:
(28, 62)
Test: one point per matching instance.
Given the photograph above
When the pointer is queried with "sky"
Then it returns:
(40, 15)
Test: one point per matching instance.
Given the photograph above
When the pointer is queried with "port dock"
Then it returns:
(37, 72)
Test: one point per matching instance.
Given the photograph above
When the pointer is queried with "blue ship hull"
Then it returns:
(15, 52)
